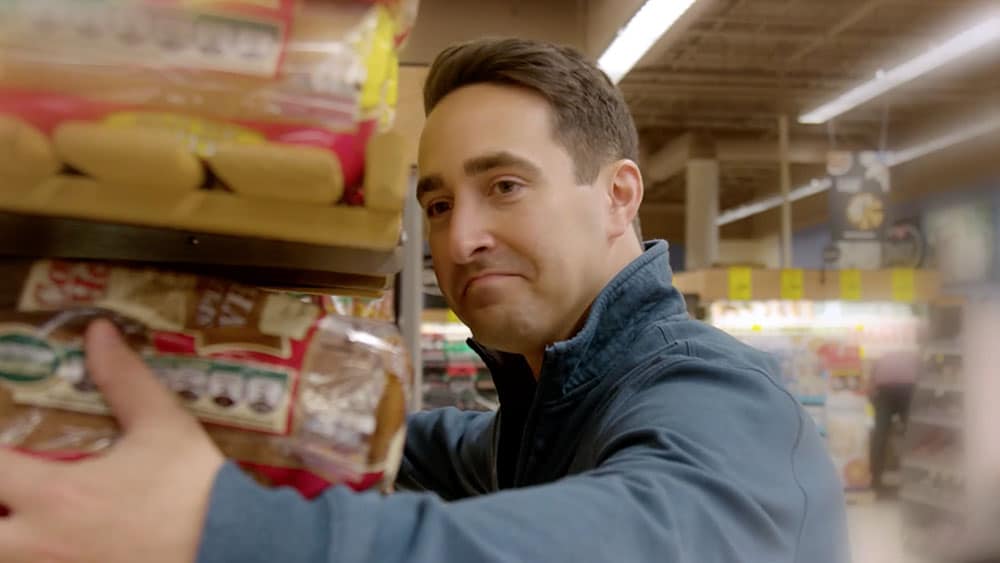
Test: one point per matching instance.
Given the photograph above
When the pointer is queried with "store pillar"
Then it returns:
(701, 240)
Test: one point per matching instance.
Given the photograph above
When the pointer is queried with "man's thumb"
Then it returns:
(137, 399)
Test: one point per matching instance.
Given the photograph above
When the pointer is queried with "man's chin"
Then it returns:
(504, 338)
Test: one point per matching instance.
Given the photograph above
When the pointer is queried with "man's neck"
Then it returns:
(626, 255)
(535, 361)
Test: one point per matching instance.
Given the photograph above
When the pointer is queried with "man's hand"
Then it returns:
(145, 500)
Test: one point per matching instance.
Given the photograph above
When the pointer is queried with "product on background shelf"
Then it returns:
(297, 396)
(377, 308)
(272, 109)
(454, 375)
(825, 350)
(947, 510)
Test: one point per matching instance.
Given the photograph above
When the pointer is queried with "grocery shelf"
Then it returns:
(859, 497)
(936, 420)
(933, 466)
(941, 387)
(376, 225)
(252, 260)
(983, 289)
(943, 347)
(923, 497)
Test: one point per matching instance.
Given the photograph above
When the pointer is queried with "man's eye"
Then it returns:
(506, 187)
(437, 208)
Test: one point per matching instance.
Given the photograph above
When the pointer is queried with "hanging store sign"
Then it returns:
(859, 195)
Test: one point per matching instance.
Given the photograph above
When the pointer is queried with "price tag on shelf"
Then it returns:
(452, 317)
(850, 285)
(903, 285)
(740, 284)
(791, 285)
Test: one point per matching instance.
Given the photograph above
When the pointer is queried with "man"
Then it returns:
(626, 431)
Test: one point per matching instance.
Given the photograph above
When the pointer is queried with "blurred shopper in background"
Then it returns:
(894, 378)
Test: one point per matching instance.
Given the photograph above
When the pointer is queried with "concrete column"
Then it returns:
(701, 235)
(786, 188)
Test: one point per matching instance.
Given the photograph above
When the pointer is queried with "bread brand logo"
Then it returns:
(201, 4)
(243, 37)
(71, 284)
(24, 358)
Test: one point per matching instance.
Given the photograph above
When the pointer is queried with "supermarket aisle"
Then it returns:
(876, 533)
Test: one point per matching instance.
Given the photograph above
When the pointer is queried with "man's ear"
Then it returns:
(625, 191)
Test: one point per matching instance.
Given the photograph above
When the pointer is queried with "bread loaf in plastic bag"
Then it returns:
(297, 396)
(94, 87)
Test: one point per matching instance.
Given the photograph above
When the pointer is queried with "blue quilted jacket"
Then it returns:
(649, 437)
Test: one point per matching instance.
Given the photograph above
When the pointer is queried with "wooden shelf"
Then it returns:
(263, 241)
(262, 262)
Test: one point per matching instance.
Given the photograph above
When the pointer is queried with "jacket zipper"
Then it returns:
(530, 423)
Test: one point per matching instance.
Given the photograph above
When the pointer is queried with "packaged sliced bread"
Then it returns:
(297, 396)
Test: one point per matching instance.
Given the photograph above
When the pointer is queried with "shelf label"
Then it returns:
(791, 285)
(850, 285)
(740, 284)
(903, 285)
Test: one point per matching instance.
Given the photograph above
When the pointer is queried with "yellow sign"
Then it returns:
(903, 285)
(850, 285)
(791, 285)
(740, 284)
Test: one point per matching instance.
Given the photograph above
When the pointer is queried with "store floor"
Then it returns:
(876, 533)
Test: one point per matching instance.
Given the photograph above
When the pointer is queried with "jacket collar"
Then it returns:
(642, 293)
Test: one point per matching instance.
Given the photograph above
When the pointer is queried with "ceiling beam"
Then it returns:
(850, 19)
(668, 160)
(671, 159)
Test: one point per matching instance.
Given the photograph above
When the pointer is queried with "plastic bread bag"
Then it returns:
(296, 396)
(312, 61)
(236, 95)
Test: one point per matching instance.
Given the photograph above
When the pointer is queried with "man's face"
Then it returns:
(519, 247)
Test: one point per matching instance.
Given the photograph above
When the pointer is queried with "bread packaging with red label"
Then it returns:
(272, 99)
(296, 395)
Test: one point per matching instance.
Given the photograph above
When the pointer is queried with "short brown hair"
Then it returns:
(592, 120)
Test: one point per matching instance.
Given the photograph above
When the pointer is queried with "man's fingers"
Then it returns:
(137, 399)
(21, 478)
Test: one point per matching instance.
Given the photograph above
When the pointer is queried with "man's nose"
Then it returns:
(470, 232)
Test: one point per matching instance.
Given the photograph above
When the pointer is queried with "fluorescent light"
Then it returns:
(814, 187)
(970, 40)
(977, 129)
(895, 158)
(652, 20)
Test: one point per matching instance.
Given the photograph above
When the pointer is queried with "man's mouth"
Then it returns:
(483, 277)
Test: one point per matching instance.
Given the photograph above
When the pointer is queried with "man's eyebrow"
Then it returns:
(487, 162)
(428, 184)
(475, 166)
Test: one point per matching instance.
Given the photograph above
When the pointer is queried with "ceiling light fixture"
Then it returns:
(894, 158)
(652, 20)
(970, 40)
